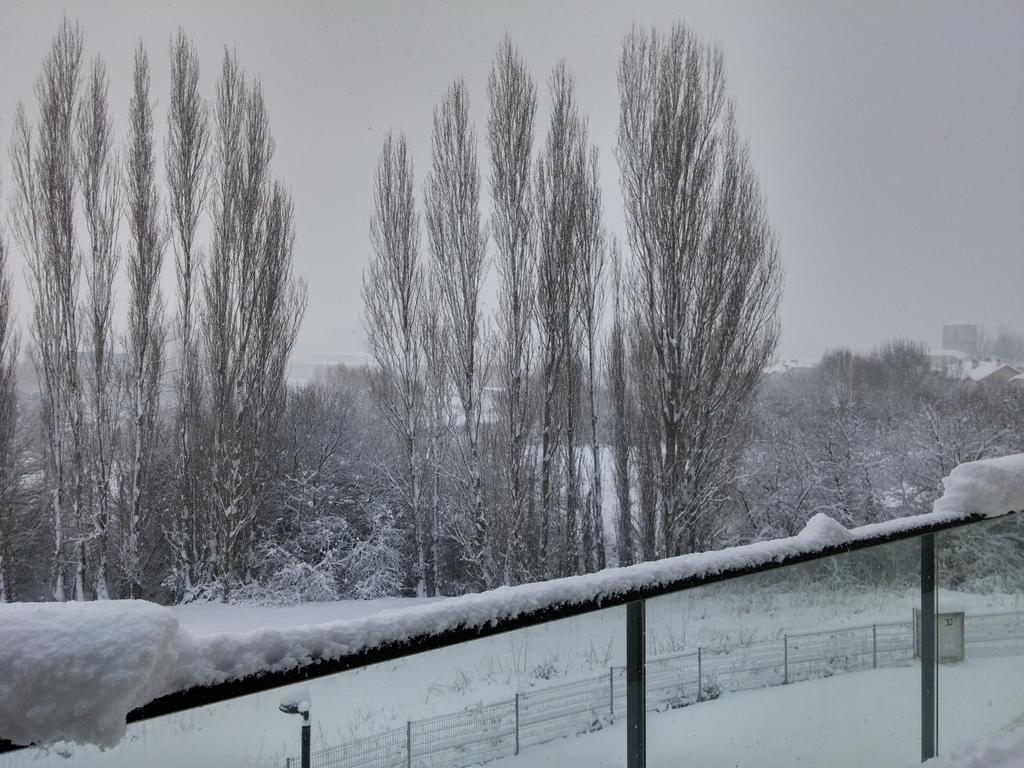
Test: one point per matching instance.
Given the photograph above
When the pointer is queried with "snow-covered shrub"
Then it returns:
(710, 689)
(374, 566)
(305, 564)
(546, 670)
(291, 580)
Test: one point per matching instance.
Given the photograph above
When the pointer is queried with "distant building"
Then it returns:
(962, 337)
(792, 364)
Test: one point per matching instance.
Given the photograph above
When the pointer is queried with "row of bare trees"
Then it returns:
(113, 507)
(509, 408)
(162, 443)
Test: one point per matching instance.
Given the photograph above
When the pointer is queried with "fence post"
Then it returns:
(874, 646)
(785, 659)
(636, 694)
(408, 744)
(517, 724)
(611, 693)
(700, 676)
(915, 625)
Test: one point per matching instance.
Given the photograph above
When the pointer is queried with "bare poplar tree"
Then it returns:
(705, 262)
(513, 103)
(251, 315)
(392, 298)
(145, 342)
(44, 224)
(646, 435)
(458, 247)
(617, 385)
(185, 155)
(9, 348)
(98, 170)
(591, 298)
(557, 199)
(438, 424)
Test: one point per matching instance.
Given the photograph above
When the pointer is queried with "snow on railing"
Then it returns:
(73, 671)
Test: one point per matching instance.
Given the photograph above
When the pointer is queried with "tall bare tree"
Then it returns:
(251, 315)
(9, 349)
(438, 423)
(185, 155)
(43, 213)
(513, 103)
(591, 299)
(617, 385)
(557, 198)
(146, 340)
(706, 265)
(646, 423)
(393, 302)
(98, 170)
(458, 247)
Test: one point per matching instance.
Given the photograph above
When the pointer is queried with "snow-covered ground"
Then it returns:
(861, 720)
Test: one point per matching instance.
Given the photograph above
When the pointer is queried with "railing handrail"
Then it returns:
(789, 554)
(673, 575)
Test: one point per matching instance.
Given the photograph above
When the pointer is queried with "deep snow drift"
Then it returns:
(73, 671)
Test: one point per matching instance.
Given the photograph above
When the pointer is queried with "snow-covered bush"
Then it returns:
(374, 566)
(291, 580)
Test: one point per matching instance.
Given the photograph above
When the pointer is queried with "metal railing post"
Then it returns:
(408, 744)
(929, 675)
(636, 695)
(305, 739)
(785, 659)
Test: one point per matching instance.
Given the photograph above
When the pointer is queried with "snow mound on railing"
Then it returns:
(823, 531)
(73, 671)
(988, 487)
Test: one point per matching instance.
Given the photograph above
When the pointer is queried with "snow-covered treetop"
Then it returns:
(73, 671)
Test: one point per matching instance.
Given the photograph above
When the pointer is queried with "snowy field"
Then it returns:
(861, 720)
(252, 732)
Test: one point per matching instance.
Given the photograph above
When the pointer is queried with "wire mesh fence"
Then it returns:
(490, 731)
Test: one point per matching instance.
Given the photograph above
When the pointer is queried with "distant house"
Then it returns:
(991, 372)
(792, 364)
(960, 365)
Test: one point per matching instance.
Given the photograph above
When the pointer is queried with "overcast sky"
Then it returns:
(889, 137)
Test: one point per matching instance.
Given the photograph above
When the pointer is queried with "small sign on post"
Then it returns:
(949, 636)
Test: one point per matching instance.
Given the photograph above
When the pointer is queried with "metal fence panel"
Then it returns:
(470, 737)
(539, 715)
(567, 709)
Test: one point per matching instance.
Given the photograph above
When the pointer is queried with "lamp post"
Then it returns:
(300, 708)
